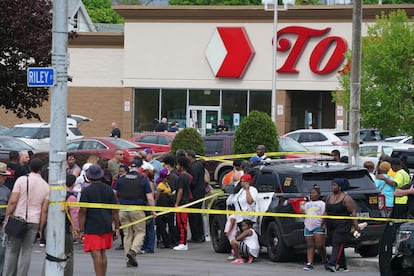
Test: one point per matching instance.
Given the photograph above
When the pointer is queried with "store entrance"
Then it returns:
(203, 118)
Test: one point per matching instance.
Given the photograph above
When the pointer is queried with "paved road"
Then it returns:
(200, 259)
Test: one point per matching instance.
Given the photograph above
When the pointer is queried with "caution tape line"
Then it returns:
(229, 158)
(225, 212)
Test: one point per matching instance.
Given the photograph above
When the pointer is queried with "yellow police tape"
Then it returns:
(230, 158)
(185, 209)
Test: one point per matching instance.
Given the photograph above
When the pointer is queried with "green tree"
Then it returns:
(101, 11)
(255, 129)
(188, 139)
(387, 75)
(26, 41)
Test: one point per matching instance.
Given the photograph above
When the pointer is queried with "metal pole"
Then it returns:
(355, 100)
(55, 245)
(274, 68)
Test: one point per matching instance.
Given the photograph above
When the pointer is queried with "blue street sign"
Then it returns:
(40, 76)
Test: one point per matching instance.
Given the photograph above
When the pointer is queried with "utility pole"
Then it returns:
(55, 246)
(355, 101)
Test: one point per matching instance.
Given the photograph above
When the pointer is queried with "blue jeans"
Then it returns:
(149, 241)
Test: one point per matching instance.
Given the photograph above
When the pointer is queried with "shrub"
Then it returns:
(188, 139)
(256, 129)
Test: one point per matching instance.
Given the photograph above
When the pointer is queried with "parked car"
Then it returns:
(157, 141)
(403, 262)
(37, 135)
(405, 154)
(3, 129)
(8, 144)
(219, 144)
(399, 139)
(322, 140)
(283, 187)
(371, 151)
(104, 147)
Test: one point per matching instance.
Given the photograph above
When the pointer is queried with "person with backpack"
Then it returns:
(133, 189)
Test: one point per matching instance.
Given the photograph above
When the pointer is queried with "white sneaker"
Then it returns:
(181, 247)
(208, 238)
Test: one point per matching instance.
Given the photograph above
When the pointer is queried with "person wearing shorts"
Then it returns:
(246, 245)
(95, 224)
(314, 233)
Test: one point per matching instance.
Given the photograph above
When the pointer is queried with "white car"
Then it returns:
(400, 139)
(322, 140)
(371, 151)
(37, 135)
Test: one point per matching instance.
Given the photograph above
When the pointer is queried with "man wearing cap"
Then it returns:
(4, 198)
(133, 189)
(95, 224)
(29, 200)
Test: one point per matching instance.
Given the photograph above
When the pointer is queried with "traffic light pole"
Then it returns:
(55, 241)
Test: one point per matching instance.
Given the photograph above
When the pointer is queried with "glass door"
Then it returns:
(203, 118)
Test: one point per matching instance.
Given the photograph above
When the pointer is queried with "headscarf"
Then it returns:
(341, 183)
(163, 174)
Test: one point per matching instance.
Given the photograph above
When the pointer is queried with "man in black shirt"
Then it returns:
(16, 170)
(162, 126)
(116, 132)
(198, 190)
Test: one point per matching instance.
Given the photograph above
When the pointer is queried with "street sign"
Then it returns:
(40, 76)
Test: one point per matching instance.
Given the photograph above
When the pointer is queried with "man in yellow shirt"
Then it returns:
(401, 178)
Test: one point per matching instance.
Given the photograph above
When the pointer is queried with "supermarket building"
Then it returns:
(197, 64)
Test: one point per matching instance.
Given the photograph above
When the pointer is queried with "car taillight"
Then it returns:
(340, 143)
(298, 204)
(381, 202)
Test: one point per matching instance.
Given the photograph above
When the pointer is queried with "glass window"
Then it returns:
(174, 106)
(368, 151)
(163, 140)
(234, 101)
(146, 109)
(205, 97)
(213, 146)
(261, 101)
(149, 139)
(73, 145)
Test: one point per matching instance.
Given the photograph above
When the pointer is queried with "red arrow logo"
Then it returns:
(229, 52)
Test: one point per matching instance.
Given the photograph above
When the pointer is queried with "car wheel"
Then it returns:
(218, 238)
(369, 250)
(276, 248)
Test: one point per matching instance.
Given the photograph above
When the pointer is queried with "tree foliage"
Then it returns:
(387, 75)
(255, 129)
(188, 139)
(100, 11)
(26, 41)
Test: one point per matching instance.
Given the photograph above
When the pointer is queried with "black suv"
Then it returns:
(283, 187)
(405, 154)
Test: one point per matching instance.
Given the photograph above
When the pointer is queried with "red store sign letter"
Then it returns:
(318, 53)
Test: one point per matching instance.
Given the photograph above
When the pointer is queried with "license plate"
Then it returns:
(373, 200)
(363, 214)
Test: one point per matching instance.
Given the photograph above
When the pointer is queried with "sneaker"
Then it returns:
(129, 264)
(181, 247)
(342, 269)
(231, 258)
(120, 247)
(131, 258)
(308, 267)
(42, 244)
(330, 267)
(250, 259)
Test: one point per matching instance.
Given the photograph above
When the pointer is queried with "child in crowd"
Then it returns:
(246, 245)
(230, 230)
(314, 233)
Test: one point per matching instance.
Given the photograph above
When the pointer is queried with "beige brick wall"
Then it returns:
(103, 105)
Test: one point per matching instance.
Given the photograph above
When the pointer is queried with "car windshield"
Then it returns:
(287, 144)
(23, 132)
(344, 136)
(123, 144)
(13, 144)
(358, 180)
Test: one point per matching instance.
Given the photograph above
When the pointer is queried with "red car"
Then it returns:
(103, 147)
(157, 141)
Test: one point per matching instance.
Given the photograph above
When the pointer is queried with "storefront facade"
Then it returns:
(196, 65)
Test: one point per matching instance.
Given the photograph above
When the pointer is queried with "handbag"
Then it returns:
(17, 226)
